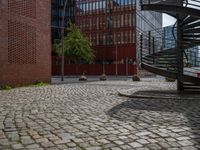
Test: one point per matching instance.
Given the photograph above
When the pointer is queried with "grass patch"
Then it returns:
(36, 84)
(39, 84)
(5, 87)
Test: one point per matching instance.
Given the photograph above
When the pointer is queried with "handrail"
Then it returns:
(164, 56)
(193, 4)
(184, 3)
(172, 2)
(158, 55)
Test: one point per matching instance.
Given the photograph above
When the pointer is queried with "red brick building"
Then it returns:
(25, 41)
(111, 28)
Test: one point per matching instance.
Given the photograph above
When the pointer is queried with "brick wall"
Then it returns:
(91, 69)
(25, 41)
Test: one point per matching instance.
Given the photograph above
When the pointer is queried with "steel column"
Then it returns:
(141, 47)
(153, 48)
(179, 56)
(63, 32)
(149, 41)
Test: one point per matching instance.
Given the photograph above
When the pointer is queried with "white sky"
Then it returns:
(168, 20)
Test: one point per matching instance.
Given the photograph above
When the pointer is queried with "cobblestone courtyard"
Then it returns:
(91, 116)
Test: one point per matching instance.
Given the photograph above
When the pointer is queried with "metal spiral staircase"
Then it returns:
(177, 57)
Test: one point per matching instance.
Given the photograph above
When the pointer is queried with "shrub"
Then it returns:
(103, 77)
(82, 78)
(136, 78)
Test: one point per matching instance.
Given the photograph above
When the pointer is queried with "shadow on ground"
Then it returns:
(174, 112)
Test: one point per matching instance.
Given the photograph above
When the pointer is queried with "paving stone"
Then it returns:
(62, 146)
(103, 141)
(189, 148)
(170, 139)
(66, 136)
(17, 146)
(135, 144)
(115, 148)
(57, 142)
(142, 141)
(143, 148)
(185, 143)
(143, 133)
(77, 140)
(152, 140)
(40, 140)
(183, 138)
(32, 146)
(71, 144)
(4, 142)
(125, 147)
(93, 148)
(91, 115)
(154, 147)
(174, 144)
(110, 145)
(52, 148)
(164, 145)
(47, 144)
(27, 141)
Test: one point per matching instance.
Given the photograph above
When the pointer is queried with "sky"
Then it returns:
(168, 20)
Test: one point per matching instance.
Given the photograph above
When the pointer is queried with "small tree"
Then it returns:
(76, 45)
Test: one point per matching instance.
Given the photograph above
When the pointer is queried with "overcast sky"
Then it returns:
(168, 20)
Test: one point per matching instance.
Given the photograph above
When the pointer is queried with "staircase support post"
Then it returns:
(149, 42)
(179, 56)
(195, 58)
(153, 44)
(141, 47)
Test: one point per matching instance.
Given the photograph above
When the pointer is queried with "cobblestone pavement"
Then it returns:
(91, 116)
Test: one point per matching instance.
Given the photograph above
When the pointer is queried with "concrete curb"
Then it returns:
(153, 97)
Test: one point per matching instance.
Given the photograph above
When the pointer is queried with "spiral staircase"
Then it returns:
(177, 60)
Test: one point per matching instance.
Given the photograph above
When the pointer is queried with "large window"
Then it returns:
(107, 21)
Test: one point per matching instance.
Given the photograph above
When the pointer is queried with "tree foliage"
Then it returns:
(76, 45)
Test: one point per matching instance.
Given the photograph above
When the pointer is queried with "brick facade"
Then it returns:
(25, 41)
(110, 27)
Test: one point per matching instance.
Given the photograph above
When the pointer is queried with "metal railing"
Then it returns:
(193, 57)
(160, 50)
(152, 52)
(164, 2)
(155, 52)
(186, 3)
(192, 4)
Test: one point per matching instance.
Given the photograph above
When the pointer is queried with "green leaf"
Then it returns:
(76, 45)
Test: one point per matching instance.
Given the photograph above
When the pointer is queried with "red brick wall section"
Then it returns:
(94, 69)
(109, 52)
(25, 41)
(91, 69)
